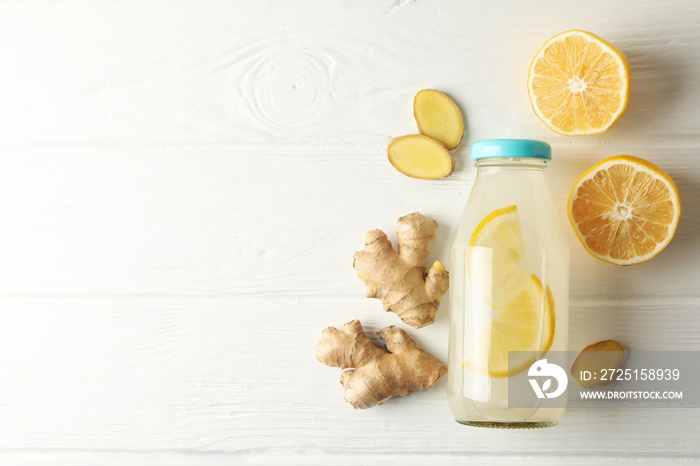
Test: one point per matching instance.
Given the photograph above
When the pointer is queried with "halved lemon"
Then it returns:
(579, 84)
(624, 210)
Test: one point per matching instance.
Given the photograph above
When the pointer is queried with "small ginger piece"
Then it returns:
(587, 370)
(438, 117)
(398, 279)
(420, 156)
(378, 375)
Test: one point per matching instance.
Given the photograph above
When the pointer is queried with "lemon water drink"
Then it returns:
(509, 286)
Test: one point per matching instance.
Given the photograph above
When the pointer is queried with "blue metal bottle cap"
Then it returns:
(489, 148)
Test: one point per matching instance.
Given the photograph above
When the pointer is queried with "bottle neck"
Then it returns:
(525, 163)
(509, 174)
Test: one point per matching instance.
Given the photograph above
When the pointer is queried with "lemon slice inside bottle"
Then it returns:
(522, 317)
(520, 334)
(500, 233)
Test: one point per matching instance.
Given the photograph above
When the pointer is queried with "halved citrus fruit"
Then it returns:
(624, 210)
(579, 84)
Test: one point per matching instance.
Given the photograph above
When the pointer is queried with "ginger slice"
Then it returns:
(588, 371)
(378, 375)
(399, 279)
(420, 156)
(438, 117)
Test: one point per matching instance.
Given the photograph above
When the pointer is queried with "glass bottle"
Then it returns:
(509, 288)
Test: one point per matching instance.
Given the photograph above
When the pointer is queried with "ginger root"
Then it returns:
(439, 117)
(420, 156)
(607, 354)
(398, 279)
(378, 375)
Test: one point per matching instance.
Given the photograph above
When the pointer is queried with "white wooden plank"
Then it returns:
(95, 458)
(162, 161)
(317, 72)
(222, 224)
(239, 376)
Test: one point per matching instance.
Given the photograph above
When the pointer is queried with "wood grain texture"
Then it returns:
(183, 185)
(95, 458)
(188, 223)
(198, 374)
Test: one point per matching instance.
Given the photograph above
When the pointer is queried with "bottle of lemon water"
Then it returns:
(509, 288)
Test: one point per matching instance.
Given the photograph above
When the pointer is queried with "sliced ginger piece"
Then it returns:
(399, 279)
(378, 375)
(438, 117)
(420, 156)
(607, 354)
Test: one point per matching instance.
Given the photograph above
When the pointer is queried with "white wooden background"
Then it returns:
(183, 184)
